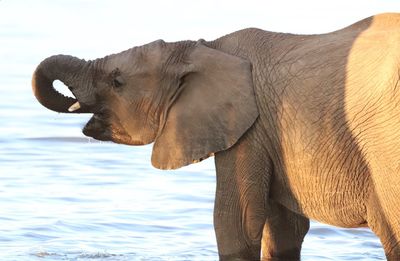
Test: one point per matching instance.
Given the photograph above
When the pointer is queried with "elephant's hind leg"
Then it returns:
(385, 223)
(283, 234)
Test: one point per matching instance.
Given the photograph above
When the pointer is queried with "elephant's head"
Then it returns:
(190, 99)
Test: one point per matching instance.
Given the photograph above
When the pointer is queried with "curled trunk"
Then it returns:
(60, 67)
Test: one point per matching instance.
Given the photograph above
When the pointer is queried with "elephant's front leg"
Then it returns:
(243, 174)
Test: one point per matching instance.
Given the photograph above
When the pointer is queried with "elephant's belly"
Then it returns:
(339, 202)
(323, 172)
(334, 210)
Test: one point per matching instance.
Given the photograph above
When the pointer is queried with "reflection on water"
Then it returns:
(66, 197)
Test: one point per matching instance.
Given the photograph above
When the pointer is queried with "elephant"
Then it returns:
(300, 126)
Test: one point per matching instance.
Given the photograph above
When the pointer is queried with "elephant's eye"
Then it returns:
(116, 79)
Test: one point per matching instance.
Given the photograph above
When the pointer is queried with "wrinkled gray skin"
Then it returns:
(302, 126)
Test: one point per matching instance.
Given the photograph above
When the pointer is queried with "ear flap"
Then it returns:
(215, 107)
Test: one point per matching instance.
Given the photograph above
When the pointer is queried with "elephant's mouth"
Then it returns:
(100, 127)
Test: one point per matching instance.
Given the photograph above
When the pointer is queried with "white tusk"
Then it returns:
(74, 107)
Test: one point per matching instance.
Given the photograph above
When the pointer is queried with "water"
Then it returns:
(66, 197)
(63, 196)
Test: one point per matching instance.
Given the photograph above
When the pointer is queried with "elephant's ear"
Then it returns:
(216, 105)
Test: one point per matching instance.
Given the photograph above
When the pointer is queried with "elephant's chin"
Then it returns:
(100, 128)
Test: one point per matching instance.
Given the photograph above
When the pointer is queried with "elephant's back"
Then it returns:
(384, 21)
